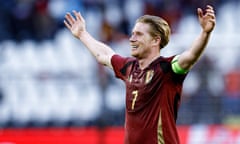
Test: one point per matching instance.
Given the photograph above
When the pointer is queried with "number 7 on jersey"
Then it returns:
(135, 95)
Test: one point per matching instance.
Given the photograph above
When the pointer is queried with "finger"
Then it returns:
(210, 11)
(211, 15)
(70, 18)
(210, 7)
(213, 21)
(67, 24)
(78, 15)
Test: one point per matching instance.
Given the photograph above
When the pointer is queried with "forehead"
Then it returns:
(141, 27)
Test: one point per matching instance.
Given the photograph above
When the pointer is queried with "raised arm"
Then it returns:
(207, 21)
(76, 24)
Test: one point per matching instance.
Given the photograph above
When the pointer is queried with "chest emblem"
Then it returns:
(149, 76)
(130, 78)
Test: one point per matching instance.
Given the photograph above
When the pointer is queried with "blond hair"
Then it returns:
(158, 27)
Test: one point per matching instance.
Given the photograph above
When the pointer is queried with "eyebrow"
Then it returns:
(137, 32)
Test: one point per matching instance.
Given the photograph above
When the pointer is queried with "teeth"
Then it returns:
(134, 46)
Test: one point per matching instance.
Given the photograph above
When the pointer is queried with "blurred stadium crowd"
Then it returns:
(48, 78)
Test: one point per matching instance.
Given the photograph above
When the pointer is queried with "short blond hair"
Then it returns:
(158, 27)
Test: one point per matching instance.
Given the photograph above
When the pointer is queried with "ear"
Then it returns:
(157, 41)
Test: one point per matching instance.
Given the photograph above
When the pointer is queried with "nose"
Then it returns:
(132, 38)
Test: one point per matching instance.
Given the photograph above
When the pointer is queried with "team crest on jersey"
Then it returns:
(130, 78)
(149, 76)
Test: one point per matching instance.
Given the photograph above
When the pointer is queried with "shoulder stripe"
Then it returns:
(124, 69)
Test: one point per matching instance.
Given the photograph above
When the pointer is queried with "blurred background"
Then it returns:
(51, 86)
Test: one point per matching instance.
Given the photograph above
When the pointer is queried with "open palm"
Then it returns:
(75, 24)
(208, 19)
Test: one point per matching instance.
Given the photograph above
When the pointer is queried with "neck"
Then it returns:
(145, 62)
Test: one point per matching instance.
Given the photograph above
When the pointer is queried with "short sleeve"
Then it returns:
(119, 65)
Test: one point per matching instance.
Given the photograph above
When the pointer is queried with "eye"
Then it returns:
(139, 33)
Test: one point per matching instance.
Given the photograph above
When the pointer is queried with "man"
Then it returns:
(153, 82)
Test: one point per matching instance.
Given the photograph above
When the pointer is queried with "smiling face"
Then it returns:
(141, 41)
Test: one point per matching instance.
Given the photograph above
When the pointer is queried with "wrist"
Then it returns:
(206, 33)
(82, 35)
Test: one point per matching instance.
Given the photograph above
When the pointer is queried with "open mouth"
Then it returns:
(134, 46)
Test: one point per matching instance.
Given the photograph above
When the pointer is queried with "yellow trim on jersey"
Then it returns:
(176, 67)
(160, 130)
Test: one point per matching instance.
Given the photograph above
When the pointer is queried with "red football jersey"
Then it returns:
(152, 100)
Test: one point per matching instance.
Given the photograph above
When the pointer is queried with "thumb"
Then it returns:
(200, 13)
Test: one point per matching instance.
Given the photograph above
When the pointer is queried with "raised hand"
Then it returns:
(207, 20)
(75, 24)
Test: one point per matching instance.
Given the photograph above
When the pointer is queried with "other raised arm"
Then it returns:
(207, 21)
(76, 24)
